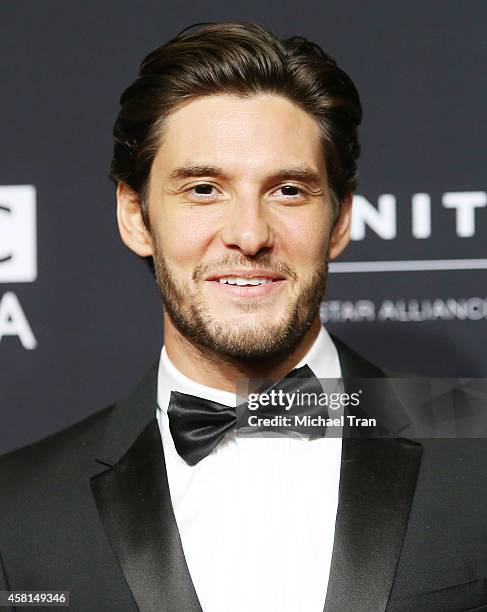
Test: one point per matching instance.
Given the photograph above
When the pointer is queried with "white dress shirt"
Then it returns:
(257, 516)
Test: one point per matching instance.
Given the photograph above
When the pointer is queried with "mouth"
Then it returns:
(246, 283)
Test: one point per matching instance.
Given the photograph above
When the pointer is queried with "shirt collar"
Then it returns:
(322, 358)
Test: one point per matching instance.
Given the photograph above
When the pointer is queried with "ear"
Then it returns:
(131, 226)
(340, 234)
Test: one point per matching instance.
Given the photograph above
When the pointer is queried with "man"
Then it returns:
(235, 162)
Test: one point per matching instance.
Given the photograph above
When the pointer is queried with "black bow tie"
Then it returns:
(198, 425)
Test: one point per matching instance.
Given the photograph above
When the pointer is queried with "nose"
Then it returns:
(247, 227)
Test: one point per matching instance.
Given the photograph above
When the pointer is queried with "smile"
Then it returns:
(240, 281)
(247, 288)
(245, 283)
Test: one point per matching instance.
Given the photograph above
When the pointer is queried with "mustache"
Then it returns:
(261, 260)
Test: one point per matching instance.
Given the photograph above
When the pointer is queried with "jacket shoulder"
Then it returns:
(353, 364)
(62, 453)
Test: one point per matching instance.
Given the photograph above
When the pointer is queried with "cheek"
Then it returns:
(306, 241)
(183, 241)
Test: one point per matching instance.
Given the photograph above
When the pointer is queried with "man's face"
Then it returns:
(241, 217)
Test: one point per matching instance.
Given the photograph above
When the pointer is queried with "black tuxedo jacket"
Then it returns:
(88, 511)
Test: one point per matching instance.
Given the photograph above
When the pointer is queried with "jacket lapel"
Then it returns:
(377, 483)
(133, 500)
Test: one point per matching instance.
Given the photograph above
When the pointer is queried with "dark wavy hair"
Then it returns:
(241, 59)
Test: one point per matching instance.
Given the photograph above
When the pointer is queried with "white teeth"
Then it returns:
(236, 280)
(252, 281)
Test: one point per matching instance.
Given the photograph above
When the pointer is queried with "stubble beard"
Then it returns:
(269, 340)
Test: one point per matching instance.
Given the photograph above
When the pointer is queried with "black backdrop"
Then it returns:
(80, 318)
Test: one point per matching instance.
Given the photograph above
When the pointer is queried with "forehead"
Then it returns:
(243, 135)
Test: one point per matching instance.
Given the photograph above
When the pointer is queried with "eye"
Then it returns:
(203, 191)
(290, 191)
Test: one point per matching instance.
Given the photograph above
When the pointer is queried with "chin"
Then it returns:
(254, 328)
(249, 313)
(250, 340)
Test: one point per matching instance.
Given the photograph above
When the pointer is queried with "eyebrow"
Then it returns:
(301, 173)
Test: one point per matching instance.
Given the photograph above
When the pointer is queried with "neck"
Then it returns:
(221, 372)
